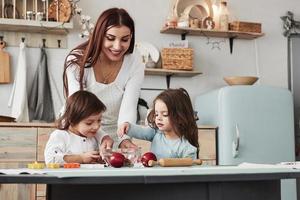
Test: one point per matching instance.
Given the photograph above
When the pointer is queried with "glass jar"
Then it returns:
(224, 17)
(30, 15)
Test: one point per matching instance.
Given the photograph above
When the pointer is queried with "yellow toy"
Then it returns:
(36, 165)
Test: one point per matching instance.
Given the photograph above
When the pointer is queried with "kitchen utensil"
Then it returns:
(4, 64)
(175, 162)
(240, 80)
(6, 119)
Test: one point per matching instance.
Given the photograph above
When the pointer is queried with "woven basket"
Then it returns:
(245, 26)
(177, 58)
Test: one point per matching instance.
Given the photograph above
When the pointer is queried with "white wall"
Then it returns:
(266, 56)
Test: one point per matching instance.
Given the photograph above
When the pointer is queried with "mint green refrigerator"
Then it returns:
(255, 124)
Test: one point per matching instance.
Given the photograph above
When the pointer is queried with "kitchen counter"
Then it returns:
(196, 182)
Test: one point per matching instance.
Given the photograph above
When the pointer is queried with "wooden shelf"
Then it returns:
(167, 72)
(212, 33)
(33, 26)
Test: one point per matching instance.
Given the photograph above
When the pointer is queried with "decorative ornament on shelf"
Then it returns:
(87, 26)
(290, 26)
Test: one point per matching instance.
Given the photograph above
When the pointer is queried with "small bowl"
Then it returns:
(132, 155)
(240, 80)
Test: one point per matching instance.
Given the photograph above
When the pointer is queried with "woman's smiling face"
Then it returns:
(116, 42)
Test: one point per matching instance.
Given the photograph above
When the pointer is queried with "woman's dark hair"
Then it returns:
(180, 112)
(87, 53)
(79, 106)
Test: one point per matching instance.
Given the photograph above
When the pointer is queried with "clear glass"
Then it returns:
(132, 154)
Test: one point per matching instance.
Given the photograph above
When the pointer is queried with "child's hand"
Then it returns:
(90, 157)
(123, 129)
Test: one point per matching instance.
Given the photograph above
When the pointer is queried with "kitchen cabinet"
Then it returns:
(16, 191)
(23, 143)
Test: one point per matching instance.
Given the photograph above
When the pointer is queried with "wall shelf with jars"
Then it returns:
(208, 18)
(35, 19)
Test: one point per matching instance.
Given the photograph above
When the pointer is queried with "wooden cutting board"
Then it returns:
(4, 64)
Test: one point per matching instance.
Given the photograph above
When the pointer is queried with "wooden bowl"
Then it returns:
(240, 80)
(6, 119)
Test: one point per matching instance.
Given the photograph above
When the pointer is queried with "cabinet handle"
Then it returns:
(236, 143)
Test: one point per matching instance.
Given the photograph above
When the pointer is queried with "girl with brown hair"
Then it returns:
(75, 139)
(107, 66)
(173, 130)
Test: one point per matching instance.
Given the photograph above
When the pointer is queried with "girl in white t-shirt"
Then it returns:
(75, 139)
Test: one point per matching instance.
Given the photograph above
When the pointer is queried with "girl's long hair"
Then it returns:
(79, 106)
(181, 114)
(87, 53)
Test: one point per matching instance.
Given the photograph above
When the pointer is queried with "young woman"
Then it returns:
(75, 138)
(173, 130)
(106, 66)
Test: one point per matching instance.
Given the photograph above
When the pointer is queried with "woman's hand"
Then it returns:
(127, 144)
(123, 129)
(106, 143)
(90, 157)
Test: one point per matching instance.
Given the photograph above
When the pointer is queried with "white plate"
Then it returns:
(180, 6)
(195, 12)
(146, 49)
(91, 166)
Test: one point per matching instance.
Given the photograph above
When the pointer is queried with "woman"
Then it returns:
(107, 66)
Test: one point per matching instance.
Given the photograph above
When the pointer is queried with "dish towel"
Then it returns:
(40, 97)
(18, 98)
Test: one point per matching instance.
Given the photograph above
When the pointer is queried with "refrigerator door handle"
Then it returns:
(236, 143)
